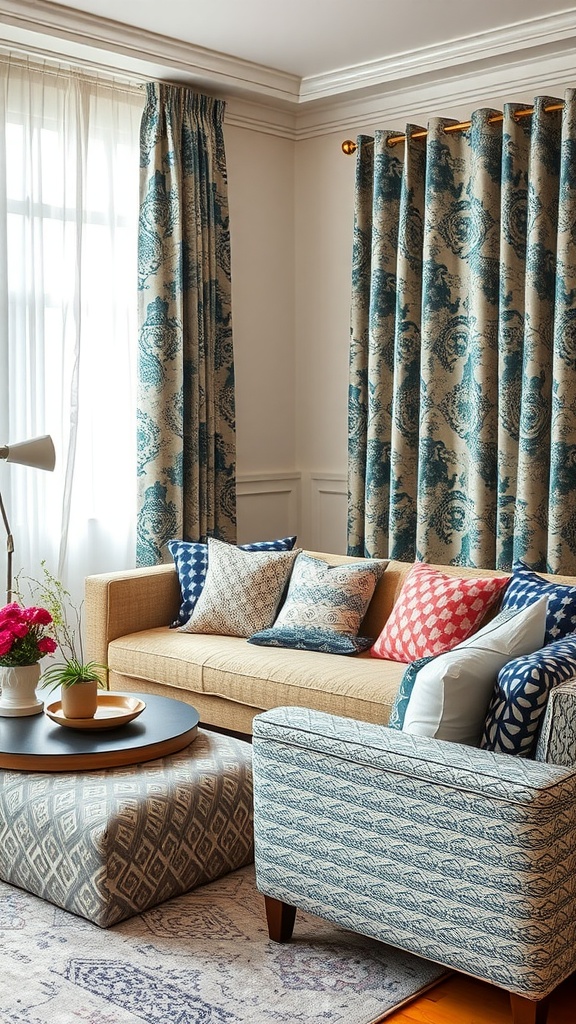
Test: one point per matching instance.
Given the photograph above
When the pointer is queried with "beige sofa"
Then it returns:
(227, 679)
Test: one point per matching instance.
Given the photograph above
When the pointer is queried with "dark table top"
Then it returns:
(36, 743)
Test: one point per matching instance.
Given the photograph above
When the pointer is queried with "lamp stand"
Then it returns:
(9, 551)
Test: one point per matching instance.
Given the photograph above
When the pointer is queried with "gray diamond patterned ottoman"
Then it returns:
(110, 843)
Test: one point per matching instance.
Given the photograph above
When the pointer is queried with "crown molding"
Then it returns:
(545, 34)
(138, 51)
(456, 95)
(412, 85)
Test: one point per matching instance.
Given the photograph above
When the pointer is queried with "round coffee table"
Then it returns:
(36, 743)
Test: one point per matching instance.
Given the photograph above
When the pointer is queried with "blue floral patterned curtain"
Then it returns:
(462, 401)
(186, 420)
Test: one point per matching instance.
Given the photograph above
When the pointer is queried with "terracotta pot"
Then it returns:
(80, 700)
(19, 684)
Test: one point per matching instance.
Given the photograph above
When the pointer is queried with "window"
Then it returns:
(68, 300)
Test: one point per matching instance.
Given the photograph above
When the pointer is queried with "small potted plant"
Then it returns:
(24, 640)
(78, 680)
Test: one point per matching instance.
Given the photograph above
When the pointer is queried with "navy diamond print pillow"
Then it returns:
(191, 561)
(526, 586)
(520, 696)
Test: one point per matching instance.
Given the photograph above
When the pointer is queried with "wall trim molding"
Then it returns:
(418, 82)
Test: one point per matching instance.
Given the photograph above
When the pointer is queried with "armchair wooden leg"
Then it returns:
(528, 1011)
(280, 918)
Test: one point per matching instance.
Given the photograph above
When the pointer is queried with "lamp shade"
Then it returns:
(38, 453)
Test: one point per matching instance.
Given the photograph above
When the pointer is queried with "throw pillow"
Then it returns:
(191, 561)
(242, 590)
(522, 689)
(435, 612)
(451, 692)
(300, 638)
(526, 586)
(333, 597)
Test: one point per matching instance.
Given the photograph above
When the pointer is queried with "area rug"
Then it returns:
(204, 958)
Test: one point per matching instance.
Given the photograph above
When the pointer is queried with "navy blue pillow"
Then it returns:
(521, 695)
(191, 561)
(526, 586)
(307, 638)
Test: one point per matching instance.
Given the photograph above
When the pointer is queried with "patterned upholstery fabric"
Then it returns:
(527, 586)
(520, 696)
(242, 592)
(299, 638)
(191, 562)
(110, 844)
(327, 596)
(461, 856)
(557, 736)
(435, 612)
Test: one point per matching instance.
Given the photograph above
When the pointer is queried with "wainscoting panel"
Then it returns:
(328, 512)
(268, 506)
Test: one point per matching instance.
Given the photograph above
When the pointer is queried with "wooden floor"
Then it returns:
(461, 1000)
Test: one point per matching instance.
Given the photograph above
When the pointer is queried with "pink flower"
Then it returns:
(10, 613)
(38, 616)
(18, 629)
(47, 645)
(6, 641)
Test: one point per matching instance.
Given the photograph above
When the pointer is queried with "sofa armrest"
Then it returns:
(557, 737)
(119, 603)
(460, 855)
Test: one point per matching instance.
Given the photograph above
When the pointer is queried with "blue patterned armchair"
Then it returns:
(459, 855)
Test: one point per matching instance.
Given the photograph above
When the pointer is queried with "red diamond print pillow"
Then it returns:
(435, 612)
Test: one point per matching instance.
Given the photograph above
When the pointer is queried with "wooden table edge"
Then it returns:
(100, 759)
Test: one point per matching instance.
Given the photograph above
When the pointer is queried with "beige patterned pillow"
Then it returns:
(242, 591)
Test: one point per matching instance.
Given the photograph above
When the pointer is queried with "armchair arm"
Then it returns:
(557, 738)
(119, 603)
(460, 855)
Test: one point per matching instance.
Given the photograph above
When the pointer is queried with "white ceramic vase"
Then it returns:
(18, 683)
(80, 700)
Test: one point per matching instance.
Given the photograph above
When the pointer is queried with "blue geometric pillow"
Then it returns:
(301, 638)
(521, 694)
(191, 561)
(526, 586)
(402, 699)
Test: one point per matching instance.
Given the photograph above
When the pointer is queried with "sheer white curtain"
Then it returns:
(68, 288)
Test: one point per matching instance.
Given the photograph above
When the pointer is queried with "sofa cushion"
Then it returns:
(191, 561)
(302, 638)
(522, 689)
(211, 667)
(527, 586)
(333, 597)
(450, 693)
(435, 612)
(242, 590)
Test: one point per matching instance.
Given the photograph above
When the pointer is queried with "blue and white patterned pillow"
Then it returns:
(191, 561)
(333, 597)
(401, 701)
(526, 586)
(521, 694)
(300, 638)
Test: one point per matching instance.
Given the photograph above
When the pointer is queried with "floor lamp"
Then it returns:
(38, 453)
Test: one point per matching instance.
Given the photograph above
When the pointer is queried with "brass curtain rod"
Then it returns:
(349, 147)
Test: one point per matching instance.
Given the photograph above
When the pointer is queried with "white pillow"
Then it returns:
(242, 590)
(451, 694)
